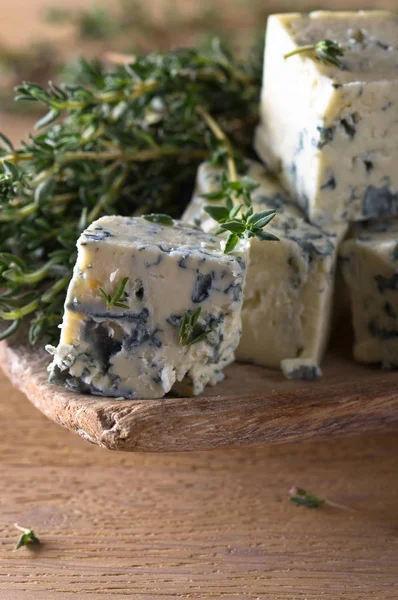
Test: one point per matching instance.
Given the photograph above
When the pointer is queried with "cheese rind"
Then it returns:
(135, 352)
(369, 263)
(301, 368)
(333, 133)
(289, 285)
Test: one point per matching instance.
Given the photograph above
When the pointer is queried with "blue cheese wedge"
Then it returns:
(289, 286)
(134, 350)
(370, 267)
(333, 133)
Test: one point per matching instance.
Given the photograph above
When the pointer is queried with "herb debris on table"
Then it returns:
(302, 497)
(27, 537)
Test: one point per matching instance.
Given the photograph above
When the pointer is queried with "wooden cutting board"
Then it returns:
(252, 406)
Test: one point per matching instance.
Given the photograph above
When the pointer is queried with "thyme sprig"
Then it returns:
(27, 537)
(326, 51)
(191, 332)
(241, 224)
(125, 140)
(115, 299)
(232, 189)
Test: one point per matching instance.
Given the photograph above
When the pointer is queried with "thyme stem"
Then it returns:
(103, 156)
(107, 197)
(33, 276)
(220, 135)
(60, 285)
(140, 156)
(16, 157)
(326, 51)
(10, 330)
(63, 198)
(7, 216)
(300, 50)
(19, 313)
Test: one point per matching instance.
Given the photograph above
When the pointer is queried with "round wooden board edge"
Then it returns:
(202, 423)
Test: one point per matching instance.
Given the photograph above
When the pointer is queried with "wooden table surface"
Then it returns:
(209, 525)
(206, 525)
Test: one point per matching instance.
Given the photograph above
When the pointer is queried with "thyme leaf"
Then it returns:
(191, 332)
(114, 300)
(159, 218)
(242, 224)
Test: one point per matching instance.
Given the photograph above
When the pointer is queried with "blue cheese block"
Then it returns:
(370, 267)
(289, 286)
(134, 350)
(333, 133)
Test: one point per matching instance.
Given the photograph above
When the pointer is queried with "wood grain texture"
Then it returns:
(252, 406)
(211, 525)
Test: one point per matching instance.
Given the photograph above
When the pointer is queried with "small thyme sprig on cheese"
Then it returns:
(326, 51)
(27, 537)
(249, 224)
(114, 300)
(190, 331)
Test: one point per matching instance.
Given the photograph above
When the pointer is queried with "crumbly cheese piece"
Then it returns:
(333, 133)
(300, 368)
(370, 267)
(135, 352)
(289, 286)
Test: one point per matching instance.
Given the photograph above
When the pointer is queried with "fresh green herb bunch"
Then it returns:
(126, 141)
